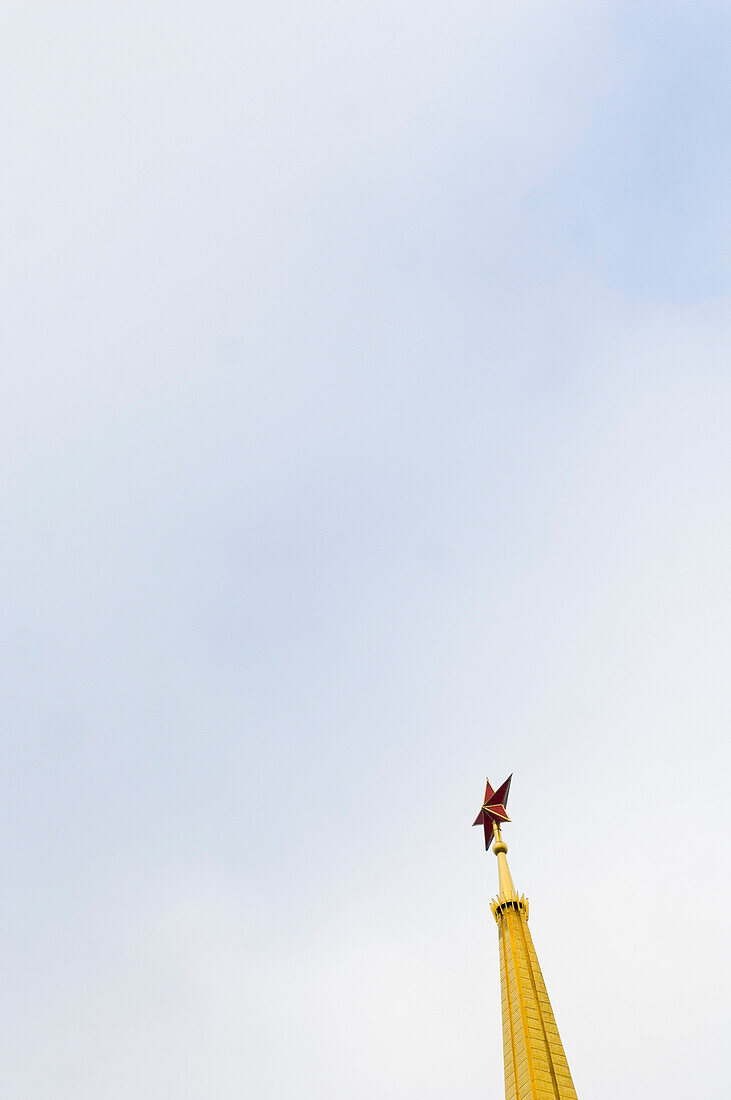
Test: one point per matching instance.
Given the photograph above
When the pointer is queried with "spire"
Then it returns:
(505, 879)
(535, 1062)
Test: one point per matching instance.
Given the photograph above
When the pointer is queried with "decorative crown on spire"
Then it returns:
(493, 810)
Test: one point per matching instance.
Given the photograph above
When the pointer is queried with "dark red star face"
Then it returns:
(493, 809)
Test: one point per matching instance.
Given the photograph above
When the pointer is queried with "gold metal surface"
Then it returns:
(535, 1062)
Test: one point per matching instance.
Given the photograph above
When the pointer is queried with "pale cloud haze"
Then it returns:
(365, 428)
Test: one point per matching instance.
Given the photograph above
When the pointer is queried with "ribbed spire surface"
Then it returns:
(535, 1062)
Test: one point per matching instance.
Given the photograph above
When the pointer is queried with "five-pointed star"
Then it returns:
(493, 809)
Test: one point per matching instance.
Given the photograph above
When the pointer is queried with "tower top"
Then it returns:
(494, 810)
(535, 1062)
(491, 816)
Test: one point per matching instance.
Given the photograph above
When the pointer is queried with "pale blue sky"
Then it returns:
(366, 427)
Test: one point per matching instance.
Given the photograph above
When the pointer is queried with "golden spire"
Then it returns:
(535, 1062)
(505, 879)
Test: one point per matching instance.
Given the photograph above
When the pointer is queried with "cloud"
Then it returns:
(356, 438)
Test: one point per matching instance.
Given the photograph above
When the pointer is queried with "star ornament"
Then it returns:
(493, 810)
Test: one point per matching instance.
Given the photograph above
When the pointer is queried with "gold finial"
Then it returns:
(499, 844)
(491, 816)
(505, 879)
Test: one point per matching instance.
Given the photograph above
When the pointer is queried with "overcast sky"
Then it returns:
(365, 429)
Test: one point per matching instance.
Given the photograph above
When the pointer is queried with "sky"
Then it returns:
(365, 429)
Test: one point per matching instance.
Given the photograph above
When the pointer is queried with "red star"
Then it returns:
(493, 809)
